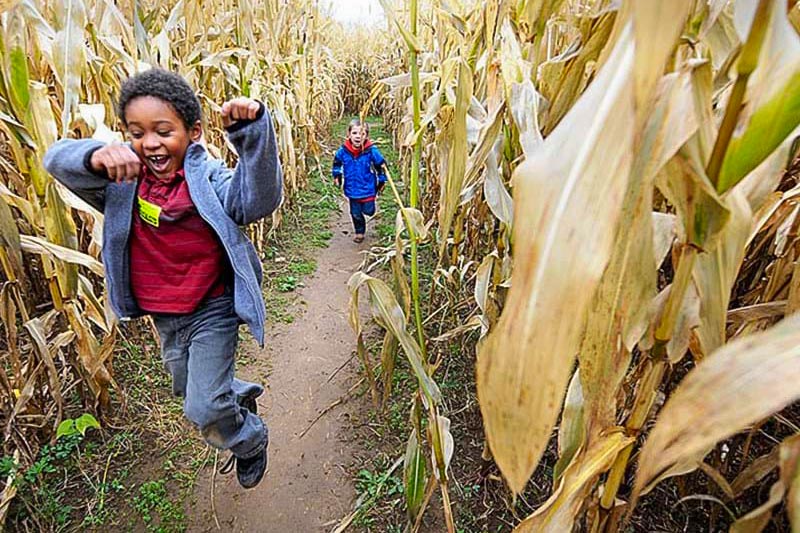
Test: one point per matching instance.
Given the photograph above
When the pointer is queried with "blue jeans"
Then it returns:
(357, 212)
(198, 350)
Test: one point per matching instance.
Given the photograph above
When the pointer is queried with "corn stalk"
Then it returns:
(600, 114)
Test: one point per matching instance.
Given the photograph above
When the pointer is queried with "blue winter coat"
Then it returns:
(362, 173)
(224, 198)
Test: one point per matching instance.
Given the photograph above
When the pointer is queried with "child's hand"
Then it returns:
(337, 182)
(118, 161)
(239, 109)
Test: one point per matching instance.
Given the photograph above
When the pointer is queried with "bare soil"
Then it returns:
(307, 487)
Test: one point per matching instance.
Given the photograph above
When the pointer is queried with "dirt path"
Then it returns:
(306, 487)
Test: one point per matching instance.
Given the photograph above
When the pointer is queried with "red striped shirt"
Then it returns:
(179, 263)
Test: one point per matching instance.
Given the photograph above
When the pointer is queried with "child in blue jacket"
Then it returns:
(173, 249)
(360, 167)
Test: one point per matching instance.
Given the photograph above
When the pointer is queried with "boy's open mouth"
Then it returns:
(158, 163)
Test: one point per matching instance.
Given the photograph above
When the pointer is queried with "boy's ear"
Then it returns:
(196, 131)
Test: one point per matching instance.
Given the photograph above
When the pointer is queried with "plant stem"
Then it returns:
(646, 395)
(651, 381)
(417, 148)
(414, 185)
(745, 66)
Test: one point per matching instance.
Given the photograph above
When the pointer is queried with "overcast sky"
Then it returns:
(356, 11)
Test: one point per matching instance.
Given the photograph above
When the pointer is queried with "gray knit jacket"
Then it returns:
(226, 199)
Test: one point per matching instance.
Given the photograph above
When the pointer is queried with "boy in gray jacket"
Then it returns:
(172, 247)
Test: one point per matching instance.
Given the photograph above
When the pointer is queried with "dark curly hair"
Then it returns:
(166, 86)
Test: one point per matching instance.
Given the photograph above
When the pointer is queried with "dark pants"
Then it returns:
(357, 211)
(198, 351)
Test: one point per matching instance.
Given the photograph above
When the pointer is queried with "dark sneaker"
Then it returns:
(250, 471)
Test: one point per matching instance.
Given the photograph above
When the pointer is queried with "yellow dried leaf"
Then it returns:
(657, 25)
(741, 383)
(386, 310)
(559, 511)
(572, 189)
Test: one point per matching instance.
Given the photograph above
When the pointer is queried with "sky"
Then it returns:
(367, 12)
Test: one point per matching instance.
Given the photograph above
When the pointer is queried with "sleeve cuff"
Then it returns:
(87, 160)
(239, 124)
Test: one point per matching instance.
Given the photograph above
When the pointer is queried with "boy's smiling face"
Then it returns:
(358, 134)
(158, 134)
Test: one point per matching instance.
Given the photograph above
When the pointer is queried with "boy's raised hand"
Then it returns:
(239, 109)
(118, 161)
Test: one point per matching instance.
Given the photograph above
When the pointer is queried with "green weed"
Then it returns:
(157, 511)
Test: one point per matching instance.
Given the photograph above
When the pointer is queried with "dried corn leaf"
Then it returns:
(411, 40)
(448, 446)
(715, 273)
(25, 396)
(389, 315)
(60, 230)
(38, 329)
(657, 25)
(572, 189)
(41, 116)
(10, 246)
(559, 511)
(69, 54)
(687, 320)
(618, 315)
(8, 314)
(494, 190)
(42, 247)
(457, 158)
(742, 382)
(755, 472)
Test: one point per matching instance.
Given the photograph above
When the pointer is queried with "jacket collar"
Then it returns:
(148, 175)
(355, 151)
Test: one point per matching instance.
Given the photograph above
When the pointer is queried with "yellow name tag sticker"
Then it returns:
(149, 212)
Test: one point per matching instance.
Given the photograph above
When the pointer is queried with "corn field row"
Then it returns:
(608, 192)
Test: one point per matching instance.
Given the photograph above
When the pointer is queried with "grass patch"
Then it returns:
(291, 255)
(303, 267)
(158, 512)
(102, 481)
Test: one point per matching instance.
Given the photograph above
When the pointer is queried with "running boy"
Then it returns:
(361, 167)
(172, 246)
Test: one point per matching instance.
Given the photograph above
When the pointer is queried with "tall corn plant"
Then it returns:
(62, 66)
(596, 113)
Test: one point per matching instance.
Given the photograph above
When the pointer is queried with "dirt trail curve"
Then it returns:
(306, 487)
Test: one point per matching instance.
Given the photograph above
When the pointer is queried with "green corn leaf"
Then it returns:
(19, 79)
(414, 476)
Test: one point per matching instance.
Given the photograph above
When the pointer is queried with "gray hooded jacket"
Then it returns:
(225, 199)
